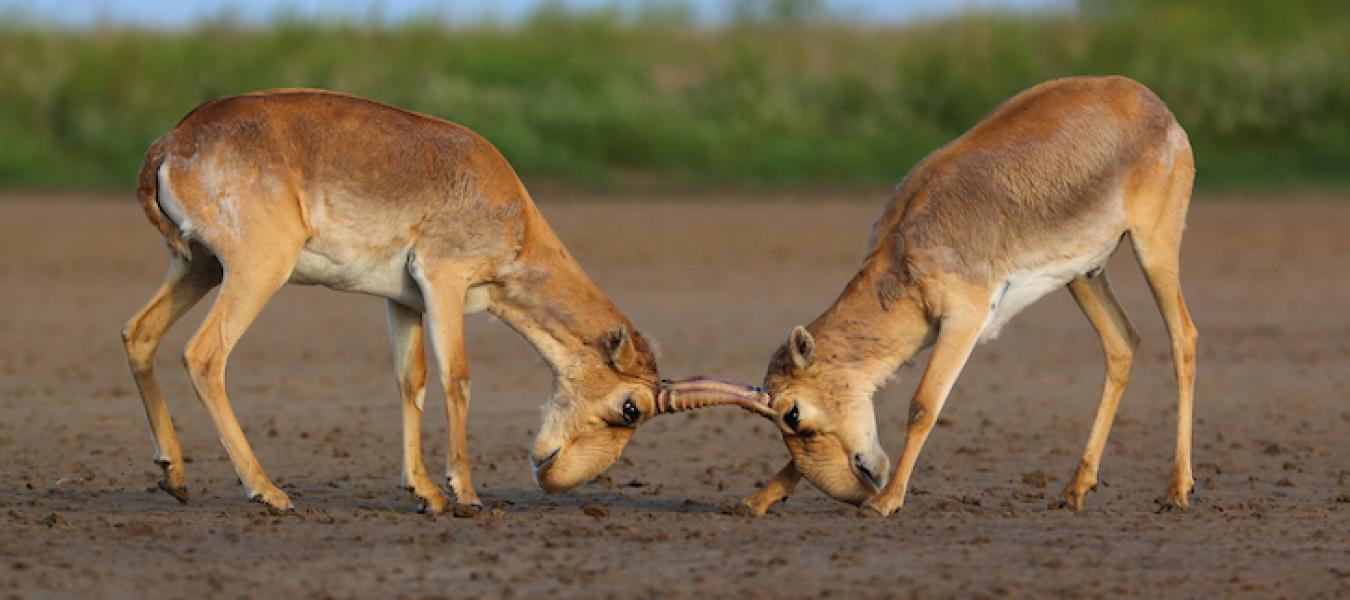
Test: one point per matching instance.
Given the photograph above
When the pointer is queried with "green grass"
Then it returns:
(607, 98)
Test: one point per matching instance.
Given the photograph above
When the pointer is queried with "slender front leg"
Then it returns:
(444, 288)
(773, 492)
(956, 339)
(410, 371)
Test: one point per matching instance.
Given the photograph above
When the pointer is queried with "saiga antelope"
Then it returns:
(313, 187)
(1037, 195)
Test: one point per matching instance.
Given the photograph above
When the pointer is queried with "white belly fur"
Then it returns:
(385, 277)
(1023, 288)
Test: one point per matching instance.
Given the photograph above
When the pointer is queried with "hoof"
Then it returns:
(179, 493)
(463, 492)
(468, 511)
(431, 504)
(1172, 507)
(1065, 504)
(1176, 499)
(871, 510)
(275, 500)
(1069, 501)
(745, 510)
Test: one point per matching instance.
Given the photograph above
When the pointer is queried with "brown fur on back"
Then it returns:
(373, 150)
(1039, 164)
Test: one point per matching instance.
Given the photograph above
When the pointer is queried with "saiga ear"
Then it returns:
(618, 347)
(801, 347)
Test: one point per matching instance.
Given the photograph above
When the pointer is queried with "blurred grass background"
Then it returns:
(784, 93)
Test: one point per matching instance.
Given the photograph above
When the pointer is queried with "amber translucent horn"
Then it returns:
(701, 392)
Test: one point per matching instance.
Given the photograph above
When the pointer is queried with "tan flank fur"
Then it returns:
(1036, 196)
(311, 187)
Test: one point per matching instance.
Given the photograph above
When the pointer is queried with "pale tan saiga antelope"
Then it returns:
(1035, 196)
(313, 187)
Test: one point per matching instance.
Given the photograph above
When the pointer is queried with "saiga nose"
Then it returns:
(860, 464)
(543, 463)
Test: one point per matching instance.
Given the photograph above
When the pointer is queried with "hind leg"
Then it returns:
(249, 282)
(1156, 236)
(1160, 268)
(1119, 339)
(183, 286)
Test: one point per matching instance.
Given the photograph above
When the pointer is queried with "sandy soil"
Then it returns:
(717, 281)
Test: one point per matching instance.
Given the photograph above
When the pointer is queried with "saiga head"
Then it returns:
(594, 411)
(826, 419)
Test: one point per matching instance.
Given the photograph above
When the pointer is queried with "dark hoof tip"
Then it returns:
(744, 510)
(271, 508)
(179, 493)
(432, 508)
(1064, 504)
(870, 512)
(468, 511)
(1171, 507)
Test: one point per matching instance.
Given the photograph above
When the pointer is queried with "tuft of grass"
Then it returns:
(609, 97)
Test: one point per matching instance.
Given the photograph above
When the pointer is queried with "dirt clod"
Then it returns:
(1038, 479)
(591, 509)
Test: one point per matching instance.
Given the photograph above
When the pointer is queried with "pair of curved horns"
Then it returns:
(700, 392)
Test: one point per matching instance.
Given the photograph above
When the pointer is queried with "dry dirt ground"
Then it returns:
(718, 281)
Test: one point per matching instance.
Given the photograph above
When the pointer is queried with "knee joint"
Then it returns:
(1185, 345)
(1119, 361)
(1191, 335)
(457, 381)
(140, 348)
(411, 389)
(412, 381)
(202, 359)
(917, 414)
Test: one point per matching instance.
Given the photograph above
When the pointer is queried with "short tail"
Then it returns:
(147, 191)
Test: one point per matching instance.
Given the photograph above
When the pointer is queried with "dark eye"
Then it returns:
(630, 412)
(793, 418)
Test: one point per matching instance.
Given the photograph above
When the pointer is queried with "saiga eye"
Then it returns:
(793, 418)
(630, 411)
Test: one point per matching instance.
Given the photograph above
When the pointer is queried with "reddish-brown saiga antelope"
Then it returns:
(1035, 196)
(313, 187)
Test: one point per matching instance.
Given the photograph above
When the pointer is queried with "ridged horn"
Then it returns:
(701, 392)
